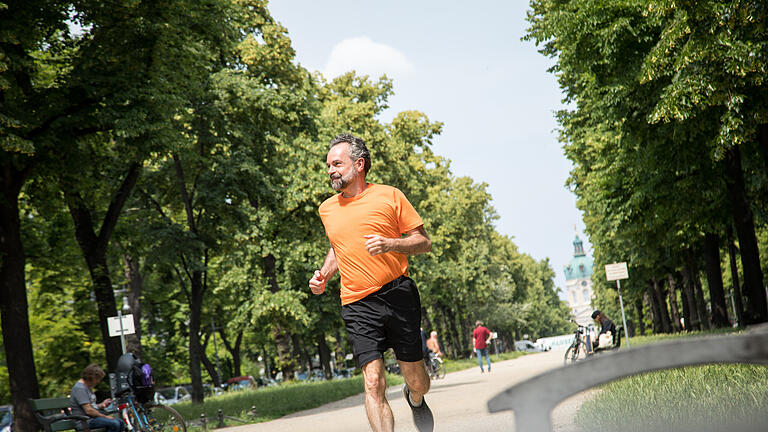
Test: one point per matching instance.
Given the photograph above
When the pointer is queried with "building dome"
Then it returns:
(580, 266)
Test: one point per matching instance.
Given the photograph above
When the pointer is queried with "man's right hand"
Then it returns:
(317, 283)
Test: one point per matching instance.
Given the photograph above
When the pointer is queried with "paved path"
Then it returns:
(458, 403)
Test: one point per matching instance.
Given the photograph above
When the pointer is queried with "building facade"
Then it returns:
(578, 284)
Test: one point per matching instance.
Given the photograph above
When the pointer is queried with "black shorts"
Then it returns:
(387, 318)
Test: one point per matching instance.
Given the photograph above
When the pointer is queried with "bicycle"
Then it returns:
(578, 349)
(435, 366)
(149, 417)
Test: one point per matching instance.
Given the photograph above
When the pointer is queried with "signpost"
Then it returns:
(121, 325)
(618, 271)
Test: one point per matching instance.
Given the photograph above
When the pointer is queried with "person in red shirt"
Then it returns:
(372, 228)
(481, 337)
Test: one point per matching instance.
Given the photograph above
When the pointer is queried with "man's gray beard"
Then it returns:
(339, 184)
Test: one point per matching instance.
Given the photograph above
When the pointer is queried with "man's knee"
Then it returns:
(419, 382)
(115, 425)
(421, 386)
(375, 379)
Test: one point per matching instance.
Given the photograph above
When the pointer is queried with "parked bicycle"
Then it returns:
(435, 366)
(149, 417)
(132, 387)
(578, 349)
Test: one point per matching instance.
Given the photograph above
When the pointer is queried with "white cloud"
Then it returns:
(366, 57)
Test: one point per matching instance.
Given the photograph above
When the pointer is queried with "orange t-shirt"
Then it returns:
(379, 209)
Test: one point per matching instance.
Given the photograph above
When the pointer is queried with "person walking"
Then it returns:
(371, 229)
(481, 337)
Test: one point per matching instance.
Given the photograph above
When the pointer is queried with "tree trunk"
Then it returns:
(715, 280)
(209, 366)
(762, 141)
(673, 309)
(756, 308)
(661, 296)
(736, 288)
(650, 298)
(425, 319)
(452, 331)
(94, 249)
(640, 317)
(14, 309)
(694, 324)
(698, 293)
(301, 353)
(325, 356)
(234, 350)
(448, 342)
(701, 304)
(96, 260)
(286, 362)
(195, 324)
(465, 340)
(281, 336)
(450, 338)
(135, 284)
(687, 320)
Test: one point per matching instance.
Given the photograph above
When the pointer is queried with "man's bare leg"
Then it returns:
(376, 405)
(416, 378)
(416, 386)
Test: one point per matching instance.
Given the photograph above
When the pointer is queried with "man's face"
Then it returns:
(341, 168)
(93, 382)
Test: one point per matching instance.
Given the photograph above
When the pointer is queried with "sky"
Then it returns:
(463, 64)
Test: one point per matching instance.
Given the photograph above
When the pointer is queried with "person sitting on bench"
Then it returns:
(607, 330)
(82, 401)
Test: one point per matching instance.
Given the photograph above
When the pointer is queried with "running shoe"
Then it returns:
(422, 415)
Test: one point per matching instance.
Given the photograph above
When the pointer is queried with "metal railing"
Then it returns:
(533, 400)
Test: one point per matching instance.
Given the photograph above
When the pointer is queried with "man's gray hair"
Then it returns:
(357, 148)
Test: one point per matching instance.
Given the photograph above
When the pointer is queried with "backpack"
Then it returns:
(137, 375)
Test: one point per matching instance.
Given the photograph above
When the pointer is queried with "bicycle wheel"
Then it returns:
(161, 418)
(131, 423)
(575, 353)
(432, 368)
(440, 370)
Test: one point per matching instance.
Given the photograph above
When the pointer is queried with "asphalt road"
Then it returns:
(458, 402)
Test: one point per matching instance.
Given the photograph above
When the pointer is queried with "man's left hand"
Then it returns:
(377, 244)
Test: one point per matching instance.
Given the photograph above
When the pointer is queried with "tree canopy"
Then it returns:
(168, 160)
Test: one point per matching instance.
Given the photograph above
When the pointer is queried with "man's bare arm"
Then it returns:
(329, 268)
(91, 412)
(416, 241)
(330, 265)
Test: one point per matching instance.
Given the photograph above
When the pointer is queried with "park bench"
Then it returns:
(534, 399)
(53, 415)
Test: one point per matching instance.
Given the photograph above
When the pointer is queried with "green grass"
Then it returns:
(275, 402)
(712, 397)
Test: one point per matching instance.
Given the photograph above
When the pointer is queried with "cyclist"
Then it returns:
(433, 345)
(607, 330)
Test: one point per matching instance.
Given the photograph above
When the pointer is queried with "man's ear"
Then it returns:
(360, 165)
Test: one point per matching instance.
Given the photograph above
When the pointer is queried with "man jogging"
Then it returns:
(365, 224)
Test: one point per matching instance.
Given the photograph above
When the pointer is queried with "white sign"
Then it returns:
(114, 325)
(616, 271)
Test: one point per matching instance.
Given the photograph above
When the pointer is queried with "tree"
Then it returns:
(58, 88)
(653, 134)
